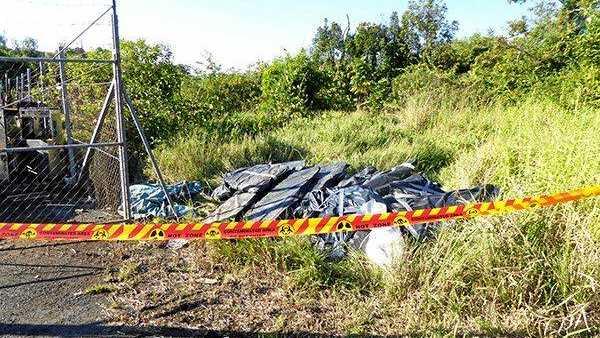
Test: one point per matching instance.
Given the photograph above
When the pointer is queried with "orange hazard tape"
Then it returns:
(282, 228)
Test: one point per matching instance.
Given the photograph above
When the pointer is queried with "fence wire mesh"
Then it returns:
(52, 169)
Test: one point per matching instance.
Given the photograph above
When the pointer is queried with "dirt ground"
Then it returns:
(42, 287)
(43, 291)
(195, 288)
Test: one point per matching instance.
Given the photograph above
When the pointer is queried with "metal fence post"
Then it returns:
(123, 165)
(22, 85)
(28, 82)
(6, 88)
(20, 88)
(96, 133)
(41, 81)
(157, 171)
(67, 112)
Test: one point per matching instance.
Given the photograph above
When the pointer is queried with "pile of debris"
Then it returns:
(292, 190)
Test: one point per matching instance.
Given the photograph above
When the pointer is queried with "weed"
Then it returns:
(100, 289)
(128, 271)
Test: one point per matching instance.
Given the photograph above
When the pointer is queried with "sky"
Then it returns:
(236, 33)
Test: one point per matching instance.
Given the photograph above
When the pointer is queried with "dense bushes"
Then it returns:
(154, 82)
(381, 64)
(587, 45)
(291, 84)
(214, 94)
(373, 67)
(422, 78)
(387, 66)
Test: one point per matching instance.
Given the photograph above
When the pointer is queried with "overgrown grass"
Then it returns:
(303, 265)
(413, 132)
(527, 273)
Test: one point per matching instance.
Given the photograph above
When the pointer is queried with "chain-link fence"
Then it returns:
(49, 168)
(59, 137)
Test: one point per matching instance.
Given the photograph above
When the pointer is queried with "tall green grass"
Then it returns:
(534, 272)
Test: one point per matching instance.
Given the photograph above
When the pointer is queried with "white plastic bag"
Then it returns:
(382, 246)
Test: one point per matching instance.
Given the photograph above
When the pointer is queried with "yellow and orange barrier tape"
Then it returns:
(282, 228)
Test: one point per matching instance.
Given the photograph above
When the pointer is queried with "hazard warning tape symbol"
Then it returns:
(283, 228)
(29, 233)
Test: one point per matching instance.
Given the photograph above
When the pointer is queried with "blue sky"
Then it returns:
(236, 32)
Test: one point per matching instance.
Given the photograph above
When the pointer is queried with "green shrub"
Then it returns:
(336, 91)
(214, 95)
(239, 125)
(153, 82)
(291, 84)
(460, 55)
(573, 87)
(587, 45)
(422, 79)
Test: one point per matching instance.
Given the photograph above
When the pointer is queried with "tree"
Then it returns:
(368, 43)
(2, 41)
(328, 43)
(26, 45)
(517, 27)
(569, 12)
(398, 47)
(426, 25)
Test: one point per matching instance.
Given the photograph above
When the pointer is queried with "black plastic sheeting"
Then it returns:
(283, 195)
(254, 179)
(285, 190)
(245, 186)
(291, 190)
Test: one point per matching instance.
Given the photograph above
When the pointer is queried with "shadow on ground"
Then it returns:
(102, 330)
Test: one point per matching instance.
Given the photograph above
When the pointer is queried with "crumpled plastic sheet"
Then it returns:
(283, 195)
(254, 179)
(149, 200)
(336, 244)
(398, 189)
(343, 201)
(271, 191)
(243, 187)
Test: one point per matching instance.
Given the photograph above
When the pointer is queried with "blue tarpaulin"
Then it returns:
(149, 200)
